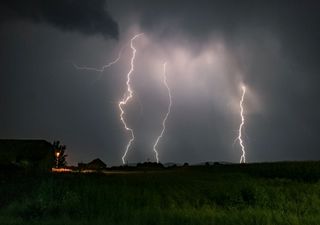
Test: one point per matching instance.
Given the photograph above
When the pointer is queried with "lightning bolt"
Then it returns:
(243, 156)
(128, 94)
(103, 68)
(127, 97)
(167, 114)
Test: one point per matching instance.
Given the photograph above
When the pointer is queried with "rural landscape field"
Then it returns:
(270, 193)
(171, 112)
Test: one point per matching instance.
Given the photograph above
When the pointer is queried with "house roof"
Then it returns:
(98, 162)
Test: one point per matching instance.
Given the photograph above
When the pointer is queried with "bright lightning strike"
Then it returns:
(167, 114)
(243, 156)
(127, 97)
(129, 93)
(103, 68)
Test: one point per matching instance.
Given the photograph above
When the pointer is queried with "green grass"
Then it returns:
(251, 194)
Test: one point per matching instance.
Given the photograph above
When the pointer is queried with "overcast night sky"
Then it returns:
(211, 48)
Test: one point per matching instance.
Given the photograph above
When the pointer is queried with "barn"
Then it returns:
(96, 164)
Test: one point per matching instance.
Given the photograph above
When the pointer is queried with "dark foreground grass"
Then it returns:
(192, 195)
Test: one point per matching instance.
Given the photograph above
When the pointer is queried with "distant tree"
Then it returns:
(59, 154)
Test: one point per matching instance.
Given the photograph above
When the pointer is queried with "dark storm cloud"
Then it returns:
(87, 17)
(295, 22)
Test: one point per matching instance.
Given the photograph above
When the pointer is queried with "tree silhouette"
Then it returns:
(59, 154)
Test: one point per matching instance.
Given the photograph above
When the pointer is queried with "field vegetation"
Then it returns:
(264, 194)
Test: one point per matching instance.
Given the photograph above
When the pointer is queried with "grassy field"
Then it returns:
(275, 193)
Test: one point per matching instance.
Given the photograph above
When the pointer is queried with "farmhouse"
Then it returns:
(36, 155)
